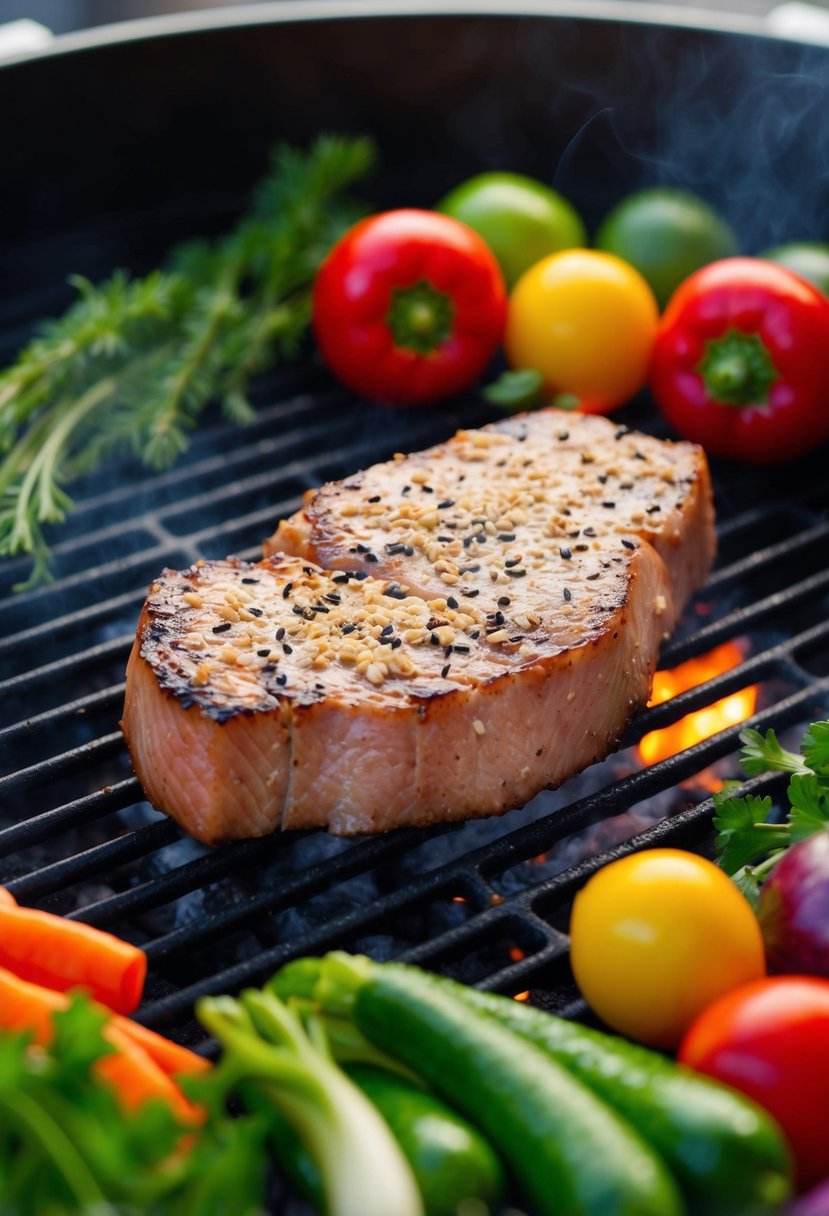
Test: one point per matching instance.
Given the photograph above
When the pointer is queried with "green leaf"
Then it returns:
(743, 835)
(809, 799)
(78, 1040)
(764, 754)
(815, 748)
(514, 391)
(746, 881)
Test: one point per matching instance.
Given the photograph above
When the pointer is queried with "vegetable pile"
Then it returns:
(410, 307)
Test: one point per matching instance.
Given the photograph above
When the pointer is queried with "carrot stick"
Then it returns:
(135, 1076)
(169, 1056)
(63, 954)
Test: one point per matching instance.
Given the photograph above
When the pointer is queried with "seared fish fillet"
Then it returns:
(437, 638)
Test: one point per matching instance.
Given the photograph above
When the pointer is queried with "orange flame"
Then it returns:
(694, 727)
(521, 996)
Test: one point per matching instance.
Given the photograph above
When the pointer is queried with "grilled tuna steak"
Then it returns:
(445, 635)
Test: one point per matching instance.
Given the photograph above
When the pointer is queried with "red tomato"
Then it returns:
(770, 1039)
(741, 361)
(409, 307)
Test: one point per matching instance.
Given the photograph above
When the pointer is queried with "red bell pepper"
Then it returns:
(741, 361)
(409, 307)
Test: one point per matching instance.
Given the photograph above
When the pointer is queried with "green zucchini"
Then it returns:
(727, 1154)
(569, 1153)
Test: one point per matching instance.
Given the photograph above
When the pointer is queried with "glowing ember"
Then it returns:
(693, 728)
(521, 996)
(516, 954)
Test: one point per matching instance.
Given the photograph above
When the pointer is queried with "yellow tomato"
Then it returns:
(586, 321)
(656, 937)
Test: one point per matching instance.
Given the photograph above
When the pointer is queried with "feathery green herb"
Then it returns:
(132, 363)
(748, 845)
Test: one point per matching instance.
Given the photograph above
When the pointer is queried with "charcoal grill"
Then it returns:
(589, 99)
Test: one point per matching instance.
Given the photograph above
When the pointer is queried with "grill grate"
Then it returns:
(469, 900)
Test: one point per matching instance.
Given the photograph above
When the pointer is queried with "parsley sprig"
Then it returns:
(749, 842)
(68, 1146)
(132, 363)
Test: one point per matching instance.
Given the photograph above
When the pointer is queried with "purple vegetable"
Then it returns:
(794, 909)
(816, 1203)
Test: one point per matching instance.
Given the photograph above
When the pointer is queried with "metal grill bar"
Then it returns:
(81, 841)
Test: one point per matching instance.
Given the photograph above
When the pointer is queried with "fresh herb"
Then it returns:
(132, 363)
(748, 844)
(67, 1145)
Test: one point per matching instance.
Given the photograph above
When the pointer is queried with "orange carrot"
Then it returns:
(64, 954)
(135, 1076)
(169, 1056)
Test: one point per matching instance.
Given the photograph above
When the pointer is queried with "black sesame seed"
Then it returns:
(372, 557)
(447, 502)
(433, 638)
(388, 630)
(384, 641)
(625, 485)
(447, 650)
(563, 436)
(286, 649)
(286, 590)
(444, 672)
(652, 510)
(629, 544)
(263, 654)
(340, 578)
(568, 594)
(566, 511)
(406, 489)
(394, 593)
(397, 547)
(446, 540)
(602, 479)
(512, 561)
(255, 611)
(469, 569)
(360, 575)
(269, 667)
(282, 680)
(476, 634)
(639, 455)
(470, 592)
(519, 637)
(467, 541)
(280, 633)
(460, 649)
(623, 430)
(565, 553)
(360, 548)
(580, 548)
(506, 536)
(349, 628)
(590, 531)
(427, 490)
(352, 485)
(221, 628)
(321, 608)
(516, 573)
(609, 505)
(333, 598)
(452, 602)
(395, 642)
(591, 577)
(309, 570)
(250, 580)
(374, 498)
(499, 617)
(504, 602)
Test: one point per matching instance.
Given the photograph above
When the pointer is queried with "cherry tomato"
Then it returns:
(586, 322)
(655, 937)
(521, 219)
(741, 361)
(409, 307)
(770, 1040)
